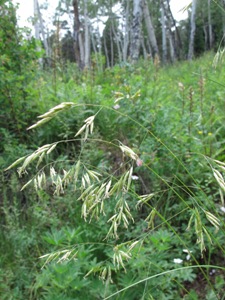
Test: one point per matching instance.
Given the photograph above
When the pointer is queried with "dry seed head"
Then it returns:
(219, 179)
(213, 220)
(53, 111)
(87, 178)
(89, 125)
(207, 234)
(90, 120)
(25, 185)
(15, 163)
(94, 175)
(40, 159)
(119, 96)
(51, 148)
(129, 152)
(81, 130)
(133, 245)
(150, 219)
(107, 189)
(39, 123)
(219, 162)
(65, 257)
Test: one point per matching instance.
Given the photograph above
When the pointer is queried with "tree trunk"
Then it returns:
(170, 22)
(87, 49)
(192, 33)
(36, 23)
(205, 37)
(126, 33)
(42, 29)
(177, 37)
(37, 28)
(145, 54)
(136, 30)
(117, 40)
(223, 16)
(150, 29)
(106, 51)
(164, 45)
(111, 45)
(210, 25)
(77, 36)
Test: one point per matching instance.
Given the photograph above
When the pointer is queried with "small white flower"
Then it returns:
(185, 251)
(212, 272)
(117, 106)
(188, 257)
(177, 260)
(134, 177)
(189, 253)
(222, 208)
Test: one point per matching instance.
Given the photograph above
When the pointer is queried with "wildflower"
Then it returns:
(222, 208)
(181, 86)
(212, 272)
(177, 260)
(139, 162)
(189, 253)
(117, 106)
(134, 177)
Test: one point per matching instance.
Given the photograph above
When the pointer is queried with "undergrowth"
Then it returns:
(122, 187)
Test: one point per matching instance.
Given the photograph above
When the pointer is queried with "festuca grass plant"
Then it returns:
(140, 177)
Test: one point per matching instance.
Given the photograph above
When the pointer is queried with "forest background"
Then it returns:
(112, 152)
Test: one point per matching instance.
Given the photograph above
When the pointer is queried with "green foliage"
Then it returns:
(129, 186)
(17, 69)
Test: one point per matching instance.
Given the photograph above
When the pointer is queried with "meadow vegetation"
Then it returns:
(122, 179)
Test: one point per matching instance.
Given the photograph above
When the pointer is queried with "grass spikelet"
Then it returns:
(213, 220)
(128, 152)
(25, 185)
(87, 127)
(15, 163)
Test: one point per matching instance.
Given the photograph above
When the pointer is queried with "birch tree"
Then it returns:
(77, 35)
(150, 29)
(172, 31)
(39, 30)
(86, 37)
(126, 30)
(192, 32)
(136, 30)
(210, 25)
(164, 43)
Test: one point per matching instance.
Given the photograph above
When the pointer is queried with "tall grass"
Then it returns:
(129, 184)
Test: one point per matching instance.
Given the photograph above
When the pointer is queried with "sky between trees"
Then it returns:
(26, 9)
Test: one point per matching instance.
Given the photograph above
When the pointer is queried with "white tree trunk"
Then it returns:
(193, 28)
(117, 40)
(210, 25)
(150, 29)
(136, 30)
(164, 44)
(39, 29)
(170, 22)
(77, 36)
(36, 21)
(87, 49)
(126, 31)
